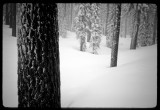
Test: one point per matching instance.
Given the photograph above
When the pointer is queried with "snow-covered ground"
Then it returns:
(10, 58)
(87, 80)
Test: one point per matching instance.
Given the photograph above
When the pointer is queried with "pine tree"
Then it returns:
(81, 25)
(143, 29)
(115, 40)
(96, 28)
(88, 26)
(38, 56)
(146, 25)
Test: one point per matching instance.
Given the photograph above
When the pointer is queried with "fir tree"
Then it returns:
(146, 25)
(82, 25)
(96, 28)
(88, 26)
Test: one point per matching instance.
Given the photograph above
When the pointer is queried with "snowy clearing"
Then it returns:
(87, 79)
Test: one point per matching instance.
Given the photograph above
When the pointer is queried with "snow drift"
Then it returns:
(87, 79)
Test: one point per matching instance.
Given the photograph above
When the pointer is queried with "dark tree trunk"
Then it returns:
(38, 56)
(14, 19)
(155, 29)
(134, 38)
(7, 15)
(115, 39)
(10, 15)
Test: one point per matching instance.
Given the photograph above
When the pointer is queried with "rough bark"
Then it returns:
(115, 39)
(38, 56)
(14, 19)
(134, 38)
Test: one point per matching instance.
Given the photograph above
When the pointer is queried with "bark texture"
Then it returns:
(115, 39)
(38, 56)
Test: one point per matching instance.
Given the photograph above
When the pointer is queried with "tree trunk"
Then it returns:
(38, 56)
(155, 28)
(14, 19)
(134, 38)
(115, 40)
(7, 15)
(10, 15)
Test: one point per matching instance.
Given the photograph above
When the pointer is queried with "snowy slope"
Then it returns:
(87, 79)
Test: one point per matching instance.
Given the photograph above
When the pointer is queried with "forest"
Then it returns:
(61, 50)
